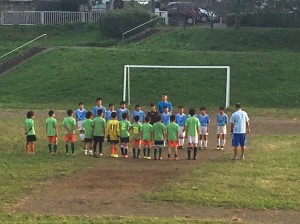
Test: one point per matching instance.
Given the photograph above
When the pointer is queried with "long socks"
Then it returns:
(139, 153)
(67, 148)
(189, 152)
(55, 148)
(195, 152)
(148, 152)
(122, 150)
(49, 146)
(73, 148)
(155, 153)
(134, 153)
(144, 152)
(159, 152)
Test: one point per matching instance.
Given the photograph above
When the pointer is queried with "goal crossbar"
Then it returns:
(126, 84)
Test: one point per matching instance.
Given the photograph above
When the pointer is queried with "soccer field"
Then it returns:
(264, 188)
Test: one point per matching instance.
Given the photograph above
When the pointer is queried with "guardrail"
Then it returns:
(137, 27)
(29, 42)
(48, 17)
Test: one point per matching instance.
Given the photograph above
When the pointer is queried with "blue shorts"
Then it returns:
(239, 139)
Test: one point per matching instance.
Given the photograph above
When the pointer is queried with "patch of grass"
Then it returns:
(245, 39)
(268, 178)
(62, 77)
(57, 35)
(29, 218)
(22, 174)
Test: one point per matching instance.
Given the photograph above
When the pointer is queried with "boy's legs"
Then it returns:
(134, 148)
(27, 147)
(200, 141)
(181, 137)
(169, 152)
(95, 143)
(218, 141)
(85, 146)
(50, 144)
(223, 141)
(205, 141)
(55, 145)
(144, 151)
(148, 151)
(90, 145)
(31, 147)
(112, 149)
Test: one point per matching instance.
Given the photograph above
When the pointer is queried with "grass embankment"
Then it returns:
(267, 179)
(57, 35)
(62, 77)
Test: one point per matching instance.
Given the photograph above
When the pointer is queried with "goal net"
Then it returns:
(225, 81)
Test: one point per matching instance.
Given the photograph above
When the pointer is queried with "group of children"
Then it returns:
(120, 127)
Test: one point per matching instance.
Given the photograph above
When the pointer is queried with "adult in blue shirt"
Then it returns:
(239, 127)
(164, 102)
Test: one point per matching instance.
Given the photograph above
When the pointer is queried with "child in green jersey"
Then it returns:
(136, 137)
(30, 132)
(88, 133)
(147, 130)
(125, 126)
(159, 131)
(69, 124)
(191, 128)
(99, 125)
(172, 137)
(51, 131)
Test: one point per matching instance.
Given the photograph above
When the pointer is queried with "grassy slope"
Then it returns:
(62, 77)
(60, 35)
(266, 179)
(245, 39)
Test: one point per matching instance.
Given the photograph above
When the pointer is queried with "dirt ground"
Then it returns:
(117, 190)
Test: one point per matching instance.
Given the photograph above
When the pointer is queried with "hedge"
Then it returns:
(265, 20)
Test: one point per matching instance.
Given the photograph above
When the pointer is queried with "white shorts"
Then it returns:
(221, 130)
(203, 130)
(181, 133)
(193, 139)
(80, 125)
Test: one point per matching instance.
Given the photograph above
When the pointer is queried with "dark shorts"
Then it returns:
(124, 140)
(98, 138)
(115, 142)
(238, 139)
(30, 138)
(88, 140)
(159, 143)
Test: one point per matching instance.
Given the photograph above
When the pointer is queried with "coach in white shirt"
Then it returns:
(239, 127)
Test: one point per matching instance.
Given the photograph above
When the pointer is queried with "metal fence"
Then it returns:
(48, 17)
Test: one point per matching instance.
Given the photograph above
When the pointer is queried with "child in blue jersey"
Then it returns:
(138, 112)
(122, 110)
(80, 115)
(222, 121)
(203, 130)
(180, 120)
(97, 107)
(165, 116)
(109, 111)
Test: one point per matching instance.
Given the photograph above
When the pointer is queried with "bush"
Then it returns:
(117, 22)
(230, 19)
(265, 20)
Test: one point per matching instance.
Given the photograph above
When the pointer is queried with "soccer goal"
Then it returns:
(126, 84)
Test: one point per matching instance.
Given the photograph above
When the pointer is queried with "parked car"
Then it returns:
(182, 12)
(207, 15)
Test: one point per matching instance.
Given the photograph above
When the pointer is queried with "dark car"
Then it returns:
(182, 12)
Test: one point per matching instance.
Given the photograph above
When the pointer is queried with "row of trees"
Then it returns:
(281, 12)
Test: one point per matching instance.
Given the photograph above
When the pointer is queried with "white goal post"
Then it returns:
(126, 84)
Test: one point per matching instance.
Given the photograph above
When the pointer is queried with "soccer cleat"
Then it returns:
(160, 158)
(85, 152)
(222, 148)
(68, 153)
(242, 157)
(138, 157)
(195, 158)
(155, 158)
(218, 148)
(116, 156)
(189, 158)
(126, 156)
(73, 154)
(234, 158)
(112, 155)
(176, 158)
(91, 152)
(205, 148)
(149, 158)
(145, 157)
(100, 154)
(169, 158)
(199, 148)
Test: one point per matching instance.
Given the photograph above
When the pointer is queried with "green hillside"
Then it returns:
(62, 77)
(245, 39)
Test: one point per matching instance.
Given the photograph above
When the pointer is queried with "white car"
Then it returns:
(207, 15)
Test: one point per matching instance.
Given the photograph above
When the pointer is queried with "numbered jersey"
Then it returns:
(113, 129)
(136, 131)
(124, 126)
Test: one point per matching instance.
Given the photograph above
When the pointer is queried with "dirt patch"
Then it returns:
(117, 189)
